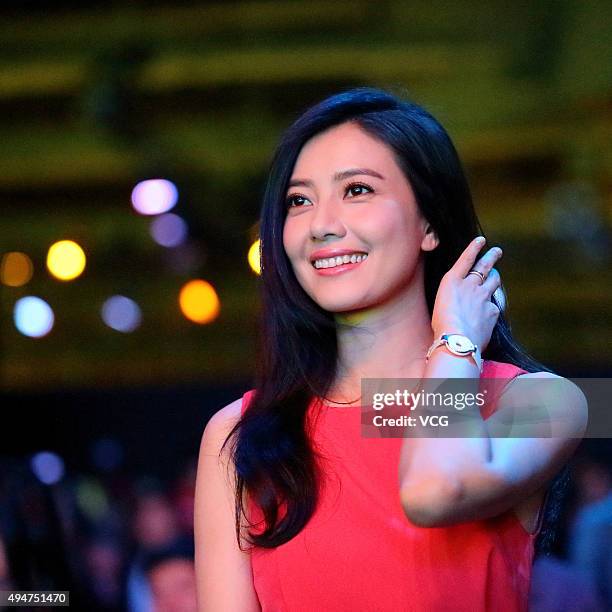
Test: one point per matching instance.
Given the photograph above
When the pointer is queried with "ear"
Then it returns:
(430, 240)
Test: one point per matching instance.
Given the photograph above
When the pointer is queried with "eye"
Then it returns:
(295, 200)
(357, 189)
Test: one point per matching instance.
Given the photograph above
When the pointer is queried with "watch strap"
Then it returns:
(443, 341)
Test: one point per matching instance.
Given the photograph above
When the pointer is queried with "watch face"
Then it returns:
(460, 344)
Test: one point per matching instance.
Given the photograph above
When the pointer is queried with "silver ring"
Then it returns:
(480, 274)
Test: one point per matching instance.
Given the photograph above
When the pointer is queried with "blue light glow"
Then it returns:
(48, 467)
(121, 313)
(33, 317)
(168, 230)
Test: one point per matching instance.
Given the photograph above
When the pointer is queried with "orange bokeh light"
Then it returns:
(199, 301)
(16, 269)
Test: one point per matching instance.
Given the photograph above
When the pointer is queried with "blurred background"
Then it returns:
(135, 142)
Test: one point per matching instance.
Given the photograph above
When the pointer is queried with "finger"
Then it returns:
(493, 281)
(466, 260)
(485, 264)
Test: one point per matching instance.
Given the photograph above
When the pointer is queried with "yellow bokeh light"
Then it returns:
(253, 257)
(66, 260)
(16, 269)
(199, 301)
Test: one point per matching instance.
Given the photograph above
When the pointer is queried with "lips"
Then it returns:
(331, 261)
(328, 253)
(335, 262)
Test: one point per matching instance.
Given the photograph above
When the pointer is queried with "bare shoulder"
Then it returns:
(219, 426)
(223, 569)
(563, 399)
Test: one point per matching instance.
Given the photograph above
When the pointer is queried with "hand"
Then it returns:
(463, 302)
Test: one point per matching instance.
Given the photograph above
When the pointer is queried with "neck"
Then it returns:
(386, 341)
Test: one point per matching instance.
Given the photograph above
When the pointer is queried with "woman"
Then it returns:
(369, 256)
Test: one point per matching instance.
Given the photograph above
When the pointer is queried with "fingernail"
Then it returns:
(480, 239)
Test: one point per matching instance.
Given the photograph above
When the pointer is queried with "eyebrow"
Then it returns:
(339, 176)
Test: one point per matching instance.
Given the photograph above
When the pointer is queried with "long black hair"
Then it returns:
(276, 465)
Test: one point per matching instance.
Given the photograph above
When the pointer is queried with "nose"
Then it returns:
(325, 221)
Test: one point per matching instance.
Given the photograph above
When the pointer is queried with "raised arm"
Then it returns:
(223, 571)
(444, 481)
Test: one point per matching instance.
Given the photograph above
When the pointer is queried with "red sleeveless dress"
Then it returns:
(360, 552)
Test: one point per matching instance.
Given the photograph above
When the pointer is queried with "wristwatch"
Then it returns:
(458, 345)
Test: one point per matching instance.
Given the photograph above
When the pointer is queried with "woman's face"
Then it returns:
(348, 198)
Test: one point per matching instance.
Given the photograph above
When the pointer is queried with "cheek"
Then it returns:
(405, 234)
(392, 225)
(396, 235)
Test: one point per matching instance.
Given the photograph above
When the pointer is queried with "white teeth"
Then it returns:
(332, 262)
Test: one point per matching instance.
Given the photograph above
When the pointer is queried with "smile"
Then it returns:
(333, 262)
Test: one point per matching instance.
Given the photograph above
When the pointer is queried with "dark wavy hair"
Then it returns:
(276, 465)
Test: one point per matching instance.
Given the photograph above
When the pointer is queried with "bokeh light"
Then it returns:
(92, 499)
(121, 313)
(48, 467)
(253, 257)
(66, 260)
(16, 269)
(199, 301)
(154, 196)
(33, 316)
(168, 230)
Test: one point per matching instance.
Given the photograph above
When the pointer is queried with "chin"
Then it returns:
(339, 306)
